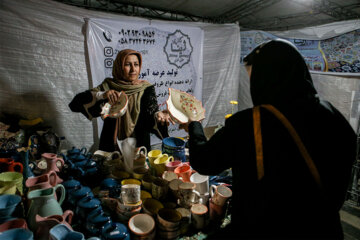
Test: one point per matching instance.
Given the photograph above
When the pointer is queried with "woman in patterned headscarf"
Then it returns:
(142, 115)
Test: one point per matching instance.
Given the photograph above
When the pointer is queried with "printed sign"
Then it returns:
(172, 55)
(337, 55)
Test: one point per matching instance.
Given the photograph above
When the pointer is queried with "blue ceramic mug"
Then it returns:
(8, 203)
(16, 234)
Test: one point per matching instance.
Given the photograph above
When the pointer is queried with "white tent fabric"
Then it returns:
(44, 63)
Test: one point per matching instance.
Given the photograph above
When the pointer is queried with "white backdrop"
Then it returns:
(44, 63)
(172, 56)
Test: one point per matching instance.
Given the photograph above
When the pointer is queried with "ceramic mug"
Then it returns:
(174, 187)
(170, 166)
(160, 163)
(9, 165)
(169, 175)
(216, 211)
(152, 155)
(142, 225)
(12, 178)
(199, 216)
(202, 183)
(130, 193)
(15, 223)
(17, 233)
(159, 188)
(188, 195)
(47, 180)
(220, 194)
(146, 182)
(184, 172)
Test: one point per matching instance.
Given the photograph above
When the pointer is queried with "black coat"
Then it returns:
(286, 203)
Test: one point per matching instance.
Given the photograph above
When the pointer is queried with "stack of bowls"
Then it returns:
(142, 226)
(168, 223)
(151, 206)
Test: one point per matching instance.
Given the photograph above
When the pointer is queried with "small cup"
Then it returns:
(146, 182)
(174, 187)
(199, 215)
(130, 181)
(170, 166)
(188, 195)
(168, 176)
(184, 172)
(138, 173)
(216, 211)
(151, 206)
(130, 193)
(152, 155)
(220, 194)
(161, 162)
(159, 188)
(141, 225)
(202, 183)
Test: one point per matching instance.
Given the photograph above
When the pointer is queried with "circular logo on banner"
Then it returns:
(178, 48)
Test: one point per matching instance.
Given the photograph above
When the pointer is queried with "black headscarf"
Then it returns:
(279, 75)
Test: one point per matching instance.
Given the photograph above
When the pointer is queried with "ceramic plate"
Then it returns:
(181, 105)
(116, 110)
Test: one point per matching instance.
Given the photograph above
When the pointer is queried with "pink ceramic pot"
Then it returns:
(44, 224)
(43, 181)
(170, 166)
(15, 223)
(184, 172)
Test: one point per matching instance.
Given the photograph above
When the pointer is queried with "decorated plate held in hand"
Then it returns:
(115, 110)
(182, 105)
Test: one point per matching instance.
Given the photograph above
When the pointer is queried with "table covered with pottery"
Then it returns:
(53, 193)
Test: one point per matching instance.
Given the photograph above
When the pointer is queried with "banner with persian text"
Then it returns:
(172, 55)
(339, 55)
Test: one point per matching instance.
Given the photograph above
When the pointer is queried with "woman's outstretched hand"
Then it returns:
(164, 117)
(112, 96)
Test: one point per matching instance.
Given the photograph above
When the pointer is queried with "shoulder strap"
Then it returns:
(258, 142)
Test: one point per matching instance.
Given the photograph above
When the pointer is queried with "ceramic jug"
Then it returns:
(128, 149)
(44, 224)
(44, 203)
(9, 165)
(47, 180)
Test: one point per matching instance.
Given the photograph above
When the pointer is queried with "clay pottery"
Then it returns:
(78, 193)
(44, 203)
(175, 147)
(8, 204)
(96, 220)
(17, 234)
(44, 224)
(63, 232)
(47, 180)
(9, 165)
(86, 205)
(10, 179)
(142, 225)
(15, 223)
(114, 231)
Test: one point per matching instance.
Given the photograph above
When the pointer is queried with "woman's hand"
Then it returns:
(164, 117)
(112, 96)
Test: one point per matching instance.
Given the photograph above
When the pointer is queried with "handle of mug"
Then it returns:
(212, 190)
(52, 178)
(171, 159)
(142, 148)
(83, 150)
(67, 216)
(62, 196)
(16, 167)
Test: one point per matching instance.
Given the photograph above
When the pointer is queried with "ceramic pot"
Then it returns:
(44, 224)
(78, 193)
(44, 203)
(12, 178)
(96, 220)
(9, 165)
(174, 147)
(15, 223)
(8, 204)
(47, 180)
(86, 205)
(17, 233)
